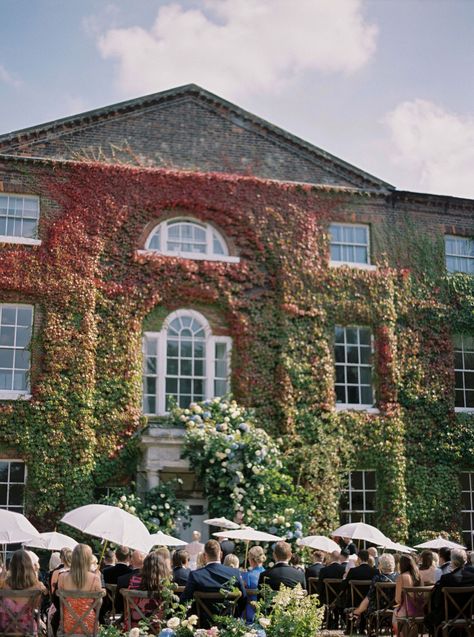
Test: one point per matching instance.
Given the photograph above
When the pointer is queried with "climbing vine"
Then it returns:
(93, 293)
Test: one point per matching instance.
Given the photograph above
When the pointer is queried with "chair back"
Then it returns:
(384, 595)
(334, 592)
(417, 599)
(179, 589)
(135, 602)
(313, 585)
(207, 604)
(19, 617)
(83, 621)
(359, 589)
(459, 606)
(110, 592)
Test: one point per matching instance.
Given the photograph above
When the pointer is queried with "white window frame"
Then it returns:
(457, 256)
(464, 369)
(351, 264)
(15, 507)
(469, 511)
(364, 491)
(369, 408)
(161, 338)
(25, 394)
(208, 256)
(6, 238)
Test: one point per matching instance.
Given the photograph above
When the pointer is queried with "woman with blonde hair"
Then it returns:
(79, 579)
(256, 557)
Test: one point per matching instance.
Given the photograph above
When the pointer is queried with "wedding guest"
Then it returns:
(315, 567)
(227, 546)
(79, 578)
(296, 561)
(121, 566)
(427, 568)
(136, 563)
(181, 569)
(194, 548)
(444, 557)
(108, 560)
(386, 574)
(373, 557)
(201, 560)
(333, 570)
(363, 571)
(282, 572)
(154, 572)
(256, 558)
(406, 606)
(166, 555)
(348, 545)
(231, 560)
(458, 576)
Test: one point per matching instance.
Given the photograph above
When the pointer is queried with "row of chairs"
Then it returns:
(458, 607)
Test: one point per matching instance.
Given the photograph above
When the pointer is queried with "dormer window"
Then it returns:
(189, 239)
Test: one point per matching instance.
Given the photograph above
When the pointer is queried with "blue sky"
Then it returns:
(384, 84)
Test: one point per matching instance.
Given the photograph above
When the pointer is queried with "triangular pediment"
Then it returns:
(186, 128)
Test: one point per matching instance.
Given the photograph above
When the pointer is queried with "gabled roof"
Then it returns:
(28, 141)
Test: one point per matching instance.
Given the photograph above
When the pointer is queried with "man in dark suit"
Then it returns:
(136, 563)
(122, 566)
(282, 572)
(212, 577)
(334, 570)
(181, 569)
(348, 545)
(361, 572)
(315, 567)
(459, 576)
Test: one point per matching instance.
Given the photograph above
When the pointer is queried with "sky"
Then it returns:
(386, 85)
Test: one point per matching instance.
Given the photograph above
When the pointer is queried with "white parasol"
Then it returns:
(439, 543)
(361, 531)
(161, 539)
(396, 546)
(15, 528)
(53, 541)
(320, 543)
(222, 523)
(247, 534)
(110, 523)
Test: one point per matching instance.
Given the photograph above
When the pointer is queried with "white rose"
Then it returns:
(173, 622)
(132, 509)
(167, 506)
(264, 622)
(193, 620)
(123, 498)
(135, 632)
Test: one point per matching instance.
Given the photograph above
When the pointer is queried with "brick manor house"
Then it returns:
(136, 236)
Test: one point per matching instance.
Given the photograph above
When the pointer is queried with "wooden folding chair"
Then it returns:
(382, 616)
(135, 611)
(80, 625)
(358, 590)
(458, 610)
(19, 618)
(334, 593)
(110, 615)
(209, 604)
(417, 598)
(313, 586)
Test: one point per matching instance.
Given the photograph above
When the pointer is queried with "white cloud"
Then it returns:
(8, 78)
(435, 145)
(237, 47)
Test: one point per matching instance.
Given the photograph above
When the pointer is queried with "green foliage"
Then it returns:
(159, 508)
(289, 611)
(240, 467)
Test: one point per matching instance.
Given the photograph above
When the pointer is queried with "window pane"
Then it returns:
(7, 336)
(172, 366)
(351, 335)
(23, 336)
(340, 374)
(339, 334)
(149, 406)
(6, 358)
(16, 494)
(340, 394)
(4, 471)
(352, 354)
(352, 374)
(6, 380)
(352, 395)
(366, 395)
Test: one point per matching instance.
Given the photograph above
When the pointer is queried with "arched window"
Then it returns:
(184, 362)
(189, 239)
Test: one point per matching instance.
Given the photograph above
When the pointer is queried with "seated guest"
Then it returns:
(470, 565)
(150, 578)
(315, 567)
(201, 560)
(427, 568)
(227, 546)
(348, 545)
(136, 563)
(344, 559)
(373, 556)
(386, 574)
(79, 578)
(333, 570)
(363, 571)
(108, 559)
(180, 567)
(256, 559)
(231, 560)
(444, 558)
(296, 562)
(458, 576)
(282, 572)
(212, 577)
(163, 552)
(21, 576)
(194, 548)
(406, 606)
(121, 566)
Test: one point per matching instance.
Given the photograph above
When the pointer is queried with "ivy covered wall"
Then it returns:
(280, 304)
